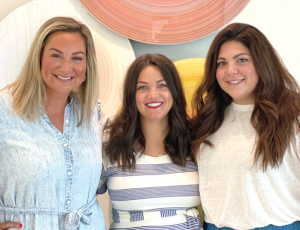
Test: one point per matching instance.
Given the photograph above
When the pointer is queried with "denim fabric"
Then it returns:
(293, 226)
(48, 180)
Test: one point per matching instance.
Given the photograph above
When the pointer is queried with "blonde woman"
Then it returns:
(50, 157)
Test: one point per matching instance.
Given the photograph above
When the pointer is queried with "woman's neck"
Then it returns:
(55, 109)
(155, 133)
(56, 103)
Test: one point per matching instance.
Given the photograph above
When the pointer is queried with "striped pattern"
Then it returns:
(150, 196)
(183, 226)
(194, 222)
(154, 192)
(136, 216)
(167, 213)
(151, 169)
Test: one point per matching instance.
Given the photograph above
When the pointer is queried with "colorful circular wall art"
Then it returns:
(191, 72)
(164, 21)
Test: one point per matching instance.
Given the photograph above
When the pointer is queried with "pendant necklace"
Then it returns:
(160, 155)
(250, 106)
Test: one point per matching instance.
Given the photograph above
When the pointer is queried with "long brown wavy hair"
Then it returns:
(125, 129)
(277, 98)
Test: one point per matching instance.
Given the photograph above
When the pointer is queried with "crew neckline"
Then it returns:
(242, 107)
(163, 159)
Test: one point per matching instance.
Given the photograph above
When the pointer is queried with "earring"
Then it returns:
(84, 79)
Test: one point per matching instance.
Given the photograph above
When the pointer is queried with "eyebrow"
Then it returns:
(234, 57)
(147, 82)
(75, 53)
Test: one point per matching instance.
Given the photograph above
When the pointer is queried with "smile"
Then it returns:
(154, 105)
(63, 78)
(236, 81)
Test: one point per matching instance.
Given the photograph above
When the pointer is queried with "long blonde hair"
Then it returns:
(29, 91)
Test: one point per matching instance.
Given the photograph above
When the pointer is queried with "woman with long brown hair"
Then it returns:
(245, 134)
(150, 179)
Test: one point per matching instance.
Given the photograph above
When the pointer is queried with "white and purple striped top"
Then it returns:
(156, 195)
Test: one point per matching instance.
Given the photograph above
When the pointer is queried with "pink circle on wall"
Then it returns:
(164, 21)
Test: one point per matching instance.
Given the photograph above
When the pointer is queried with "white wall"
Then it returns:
(279, 20)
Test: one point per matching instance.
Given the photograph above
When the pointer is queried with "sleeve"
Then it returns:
(103, 120)
(102, 117)
(102, 187)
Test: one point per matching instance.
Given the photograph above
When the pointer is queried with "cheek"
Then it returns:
(47, 67)
(169, 97)
(138, 100)
(219, 78)
(81, 69)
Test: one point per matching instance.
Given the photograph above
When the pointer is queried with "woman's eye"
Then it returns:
(77, 58)
(220, 63)
(162, 85)
(243, 60)
(55, 56)
(142, 87)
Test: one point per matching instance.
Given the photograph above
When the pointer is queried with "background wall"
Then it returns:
(278, 19)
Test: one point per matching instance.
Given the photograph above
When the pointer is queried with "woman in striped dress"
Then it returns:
(151, 180)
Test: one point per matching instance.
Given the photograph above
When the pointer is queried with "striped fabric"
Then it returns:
(156, 195)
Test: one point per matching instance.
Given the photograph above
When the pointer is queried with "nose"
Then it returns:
(152, 93)
(232, 69)
(65, 66)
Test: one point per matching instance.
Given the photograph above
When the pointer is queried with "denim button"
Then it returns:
(69, 172)
(67, 121)
(65, 144)
(68, 201)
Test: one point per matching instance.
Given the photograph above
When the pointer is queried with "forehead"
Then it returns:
(64, 38)
(233, 47)
(150, 73)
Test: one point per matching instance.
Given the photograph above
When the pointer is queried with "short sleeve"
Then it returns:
(102, 187)
(102, 117)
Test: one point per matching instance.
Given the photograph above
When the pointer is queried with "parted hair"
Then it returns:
(276, 104)
(29, 91)
(125, 129)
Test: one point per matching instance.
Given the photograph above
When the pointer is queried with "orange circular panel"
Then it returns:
(164, 21)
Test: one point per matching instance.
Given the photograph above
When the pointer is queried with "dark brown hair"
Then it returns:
(125, 129)
(277, 98)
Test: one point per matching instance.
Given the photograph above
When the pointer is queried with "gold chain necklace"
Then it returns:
(161, 155)
(250, 106)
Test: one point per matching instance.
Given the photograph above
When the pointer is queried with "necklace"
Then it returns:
(246, 110)
(161, 155)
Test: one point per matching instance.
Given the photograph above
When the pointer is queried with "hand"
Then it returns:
(8, 224)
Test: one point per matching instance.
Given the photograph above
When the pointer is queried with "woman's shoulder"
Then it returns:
(5, 98)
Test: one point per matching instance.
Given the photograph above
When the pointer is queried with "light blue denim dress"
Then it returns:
(48, 180)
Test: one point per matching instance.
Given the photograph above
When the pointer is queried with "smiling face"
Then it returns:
(63, 63)
(153, 97)
(236, 73)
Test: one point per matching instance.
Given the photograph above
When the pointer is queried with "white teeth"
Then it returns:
(154, 104)
(68, 78)
(237, 81)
